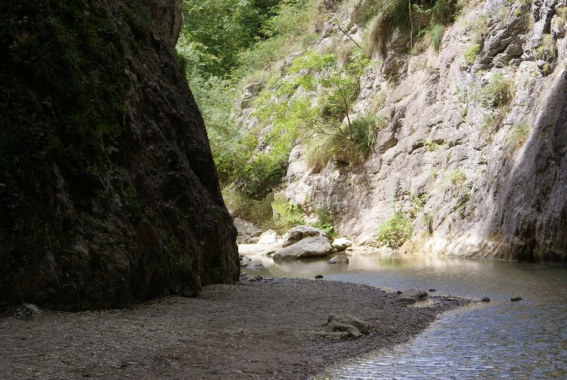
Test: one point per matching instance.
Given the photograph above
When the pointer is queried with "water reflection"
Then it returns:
(515, 340)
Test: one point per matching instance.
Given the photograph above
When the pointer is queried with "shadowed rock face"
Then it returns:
(108, 190)
(531, 213)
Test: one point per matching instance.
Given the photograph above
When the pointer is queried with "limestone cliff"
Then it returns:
(481, 169)
(108, 190)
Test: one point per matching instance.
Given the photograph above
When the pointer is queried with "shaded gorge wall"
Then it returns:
(108, 190)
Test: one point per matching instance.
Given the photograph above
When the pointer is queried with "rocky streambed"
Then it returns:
(265, 329)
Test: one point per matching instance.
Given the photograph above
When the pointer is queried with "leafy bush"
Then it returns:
(312, 100)
(398, 14)
(436, 35)
(395, 231)
(499, 91)
(258, 212)
(351, 145)
(456, 177)
(546, 48)
(261, 174)
(325, 222)
(286, 215)
(288, 27)
(221, 42)
(363, 136)
(418, 202)
(520, 134)
(471, 53)
(216, 31)
(365, 11)
(319, 150)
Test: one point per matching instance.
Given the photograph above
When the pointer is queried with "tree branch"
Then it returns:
(346, 109)
(347, 34)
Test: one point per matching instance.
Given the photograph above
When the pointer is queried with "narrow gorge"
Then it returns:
(404, 137)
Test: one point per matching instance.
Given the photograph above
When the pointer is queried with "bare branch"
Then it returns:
(347, 34)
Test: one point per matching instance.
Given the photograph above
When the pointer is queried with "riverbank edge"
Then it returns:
(265, 328)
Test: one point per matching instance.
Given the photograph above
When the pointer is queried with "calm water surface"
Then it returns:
(499, 340)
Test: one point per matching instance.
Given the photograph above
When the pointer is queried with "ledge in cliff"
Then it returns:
(108, 190)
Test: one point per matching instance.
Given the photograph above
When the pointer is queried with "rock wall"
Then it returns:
(108, 190)
(480, 175)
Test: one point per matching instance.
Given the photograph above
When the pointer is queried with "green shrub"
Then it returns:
(546, 48)
(223, 41)
(325, 222)
(443, 12)
(395, 231)
(365, 11)
(258, 212)
(286, 215)
(461, 201)
(520, 134)
(350, 145)
(436, 35)
(216, 31)
(230, 145)
(499, 91)
(417, 204)
(397, 14)
(319, 150)
(289, 27)
(471, 53)
(432, 145)
(363, 136)
(456, 177)
(300, 114)
(261, 174)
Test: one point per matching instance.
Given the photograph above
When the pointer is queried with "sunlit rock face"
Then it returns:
(479, 174)
(108, 190)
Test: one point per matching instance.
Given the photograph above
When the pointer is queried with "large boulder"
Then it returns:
(301, 232)
(315, 246)
(108, 190)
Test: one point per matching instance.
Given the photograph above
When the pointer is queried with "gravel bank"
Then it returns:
(265, 330)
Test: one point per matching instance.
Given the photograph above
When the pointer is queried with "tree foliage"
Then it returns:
(395, 231)
(221, 42)
(216, 31)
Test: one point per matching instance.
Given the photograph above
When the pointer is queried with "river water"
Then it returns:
(497, 340)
